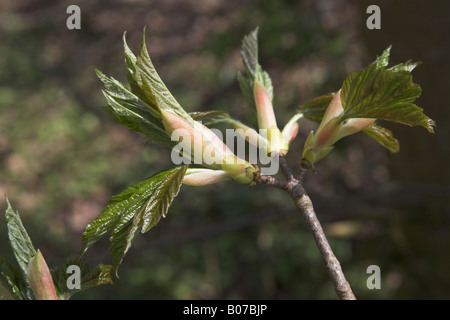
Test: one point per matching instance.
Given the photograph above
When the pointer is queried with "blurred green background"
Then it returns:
(62, 157)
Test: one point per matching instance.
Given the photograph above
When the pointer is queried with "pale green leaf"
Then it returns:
(383, 136)
(383, 60)
(19, 240)
(407, 66)
(246, 85)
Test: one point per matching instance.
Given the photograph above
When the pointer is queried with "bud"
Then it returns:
(334, 109)
(40, 279)
(239, 170)
(276, 142)
(328, 133)
(264, 108)
(216, 143)
(198, 141)
(330, 130)
(267, 120)
(203, 177)
(192, 139)
(207, 147)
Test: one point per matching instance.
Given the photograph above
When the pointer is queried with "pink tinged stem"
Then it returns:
(291, 128)
(290, 133)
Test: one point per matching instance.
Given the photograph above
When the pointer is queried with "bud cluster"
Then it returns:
(331, 129)
(201, 144)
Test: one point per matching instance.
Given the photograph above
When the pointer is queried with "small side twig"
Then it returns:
(294, 186)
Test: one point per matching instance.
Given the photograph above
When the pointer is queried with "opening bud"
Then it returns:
(203, 177)
(264, 107)
(330, 130)
(40, 279)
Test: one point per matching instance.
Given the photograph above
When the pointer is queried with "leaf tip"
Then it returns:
(430, 124)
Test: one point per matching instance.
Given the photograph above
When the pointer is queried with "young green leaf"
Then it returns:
(144, 75)
(152, 201)
(109, 217)
(99, 275)
(314, 109)
(12, 281)
(246, 85)
(383, 60)
(407, 66)
(249, 54)
(380, 93)
(139, 108)
(140, 206)
(89, 278)
(133, 75)
(383, 136)
(212, 118)
(131, 111)
(18, 238)
(377, 93)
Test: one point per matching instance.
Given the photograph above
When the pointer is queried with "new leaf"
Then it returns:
(139, 207)
(89, 278)
(387, 94)
(19, 240)
(249, 54)
(380, 93)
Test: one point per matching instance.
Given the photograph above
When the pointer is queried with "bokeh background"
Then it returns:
(62, 157)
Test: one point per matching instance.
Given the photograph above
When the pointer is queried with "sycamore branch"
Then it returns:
(294, 186)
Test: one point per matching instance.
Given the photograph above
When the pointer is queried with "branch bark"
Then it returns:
(294, 186)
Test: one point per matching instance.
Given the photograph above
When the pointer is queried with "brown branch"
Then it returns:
(271, 181)
(294, 186)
